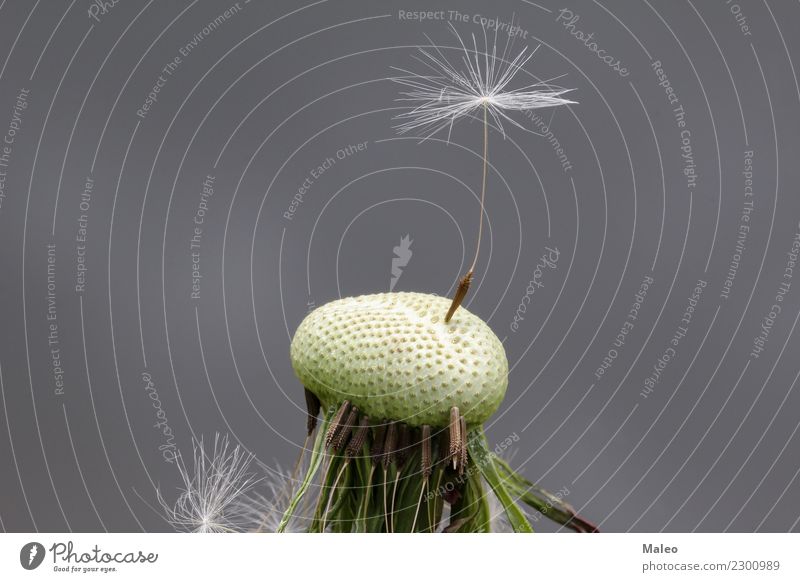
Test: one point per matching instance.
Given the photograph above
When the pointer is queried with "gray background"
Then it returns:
(279, 87)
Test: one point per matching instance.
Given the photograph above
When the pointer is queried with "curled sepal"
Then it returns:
(549, 505)
(484, 460)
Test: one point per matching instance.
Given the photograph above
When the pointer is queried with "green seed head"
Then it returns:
(392, 356)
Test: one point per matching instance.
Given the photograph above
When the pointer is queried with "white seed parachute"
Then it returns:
(448, 90)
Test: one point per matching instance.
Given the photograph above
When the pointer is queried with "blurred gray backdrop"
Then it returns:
(180, 182)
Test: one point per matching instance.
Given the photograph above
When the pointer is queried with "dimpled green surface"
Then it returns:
(392, 356)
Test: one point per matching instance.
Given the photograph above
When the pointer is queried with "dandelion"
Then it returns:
(398, 392)
(478, 85)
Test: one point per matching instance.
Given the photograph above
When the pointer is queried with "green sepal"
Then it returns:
(483, 459)
(317, 454)
(549, 505)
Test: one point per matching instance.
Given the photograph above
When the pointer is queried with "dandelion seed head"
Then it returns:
(450, 89)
